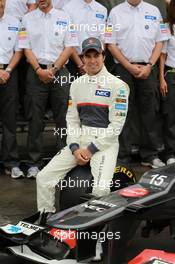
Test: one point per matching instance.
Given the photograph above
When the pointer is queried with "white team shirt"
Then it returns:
(135, 30)
(59, 3)
(89, 19)
(9, 27)
(46, 34)
(169, 49)
(17, 8)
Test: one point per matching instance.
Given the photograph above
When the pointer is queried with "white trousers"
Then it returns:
(102, 166)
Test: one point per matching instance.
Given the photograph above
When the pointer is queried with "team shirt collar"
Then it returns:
(129, 6)
(91, 4)
(42, 14)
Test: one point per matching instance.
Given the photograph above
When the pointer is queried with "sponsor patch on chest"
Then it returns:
(103, 93)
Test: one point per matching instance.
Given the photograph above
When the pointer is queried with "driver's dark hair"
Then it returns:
(171, 15)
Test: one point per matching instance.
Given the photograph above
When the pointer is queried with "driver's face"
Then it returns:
(93, 62)
(42, 4)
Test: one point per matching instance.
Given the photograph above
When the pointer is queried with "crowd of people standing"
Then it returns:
(48, 34)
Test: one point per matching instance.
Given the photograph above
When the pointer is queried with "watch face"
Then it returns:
(158, 261)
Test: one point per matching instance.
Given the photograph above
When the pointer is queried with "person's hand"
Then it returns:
(87, 153)
(45, 75)
(134, 69)
(82, 156)
(163, 87)
(145, 71)
(4, 76)
(82, 69)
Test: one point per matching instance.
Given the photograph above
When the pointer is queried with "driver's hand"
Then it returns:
(82, 156)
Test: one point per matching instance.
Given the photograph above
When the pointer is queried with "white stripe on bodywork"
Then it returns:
(25, 252)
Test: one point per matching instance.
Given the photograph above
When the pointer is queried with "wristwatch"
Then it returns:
(8, 69)
(55, 68)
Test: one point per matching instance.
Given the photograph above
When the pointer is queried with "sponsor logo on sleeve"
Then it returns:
(164, 28)
(118, 113)
(120, 100)
(120, 106)
(22, 34)
(121, 92)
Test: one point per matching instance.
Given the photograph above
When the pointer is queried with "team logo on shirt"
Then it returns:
(102, 93)
(150, 17)
(61, 23)
(13, 28)
(146, 27)
(100, 16)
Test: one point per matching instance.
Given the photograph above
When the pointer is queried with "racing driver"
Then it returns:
(97, 111)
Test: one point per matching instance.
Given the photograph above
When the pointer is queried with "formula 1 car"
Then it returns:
(70, 236)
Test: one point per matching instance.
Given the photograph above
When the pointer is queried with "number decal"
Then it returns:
(157, 179)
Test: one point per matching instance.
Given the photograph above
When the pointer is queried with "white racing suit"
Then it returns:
(96, 114)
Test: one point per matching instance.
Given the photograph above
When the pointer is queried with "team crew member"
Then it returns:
(9, 57)
(18, 8)
(96, 114)
(47, 41)
(135, 36)
(89, 19)
(167, 87)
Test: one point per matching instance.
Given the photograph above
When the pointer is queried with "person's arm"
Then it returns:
(15, 60)
(70, 41)
(74, 129)
(75, 57)
(73, 121)
(117, 115)
(118, 55)
(5, 74)
(62, 59)
(45, 75)
(146, 69)
(163, 85)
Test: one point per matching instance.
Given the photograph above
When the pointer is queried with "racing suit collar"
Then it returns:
(97, 78)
